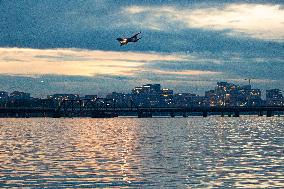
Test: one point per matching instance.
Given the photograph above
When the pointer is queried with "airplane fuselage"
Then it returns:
(124, 41)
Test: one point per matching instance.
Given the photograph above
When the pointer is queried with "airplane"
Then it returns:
(124, 41)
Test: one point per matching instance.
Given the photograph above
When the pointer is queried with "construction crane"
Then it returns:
(249, 79)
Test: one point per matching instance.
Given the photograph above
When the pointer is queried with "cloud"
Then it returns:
(21, 61)
(261, 21)
(186, 72)
(254, 81)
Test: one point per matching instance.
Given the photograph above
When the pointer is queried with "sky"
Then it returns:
(69, 46)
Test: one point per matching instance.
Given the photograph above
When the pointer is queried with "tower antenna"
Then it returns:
(249, 79)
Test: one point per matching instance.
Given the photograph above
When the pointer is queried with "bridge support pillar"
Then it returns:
(56, 114)
(102, 114)
(237, 114)
(269, 113)
(205, 114)
(144, 114)
(184, 114)
(260, 113)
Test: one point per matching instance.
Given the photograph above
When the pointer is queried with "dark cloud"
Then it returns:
(94, 24)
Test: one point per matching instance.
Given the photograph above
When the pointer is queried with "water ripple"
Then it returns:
(213, 152)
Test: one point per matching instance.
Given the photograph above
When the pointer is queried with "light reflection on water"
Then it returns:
(213, 152)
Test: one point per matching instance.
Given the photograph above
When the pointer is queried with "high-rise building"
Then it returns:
(211, 98)
(147, 89)
(223, 92)
(254, 97)
(147, 95)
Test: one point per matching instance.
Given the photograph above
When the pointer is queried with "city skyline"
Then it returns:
(137, 86)
(70, 47)
(152, 98)
(224, 86)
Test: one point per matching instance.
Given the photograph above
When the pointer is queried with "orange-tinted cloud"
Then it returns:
(20, 61)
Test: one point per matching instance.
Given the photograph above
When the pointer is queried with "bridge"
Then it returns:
(104, 108)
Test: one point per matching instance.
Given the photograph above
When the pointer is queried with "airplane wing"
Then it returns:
(134, 36)
(138, 38)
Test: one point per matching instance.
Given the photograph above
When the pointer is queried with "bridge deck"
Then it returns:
(143, 109)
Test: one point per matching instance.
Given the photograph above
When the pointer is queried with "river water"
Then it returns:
(194, 152)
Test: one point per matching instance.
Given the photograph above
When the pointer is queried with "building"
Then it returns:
(147, 89)
(274, 94)
(274, 97)
(223, 92)
(166, 97)
(188, 100)
(17, 95)
(90, 97)
(121, 99)
(19, 99)
(254, 98)
(4, 96)
(211, 98)
(61, 97)
(147, 95)
(229, 94)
